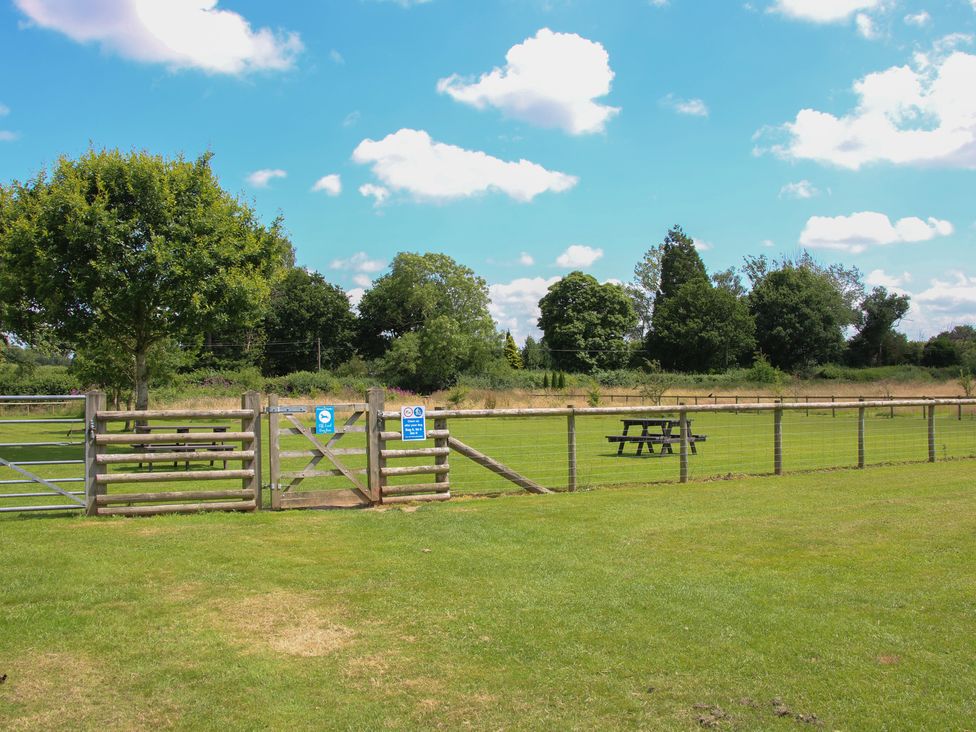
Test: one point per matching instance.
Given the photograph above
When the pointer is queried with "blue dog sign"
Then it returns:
(325, 420)
(413, 423)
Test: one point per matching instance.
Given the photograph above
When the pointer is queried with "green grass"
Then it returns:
(848, 595)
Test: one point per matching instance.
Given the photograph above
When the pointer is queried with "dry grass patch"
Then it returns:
(289, 623)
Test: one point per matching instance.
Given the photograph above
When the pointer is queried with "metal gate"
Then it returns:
(295, 452)
(38, 453)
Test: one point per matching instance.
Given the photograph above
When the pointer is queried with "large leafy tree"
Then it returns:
(800, 316)
(704, 328)
(307, 313)
(876, 343)
(428, 318)
(680, 264)
(586, 323)
(134, 250)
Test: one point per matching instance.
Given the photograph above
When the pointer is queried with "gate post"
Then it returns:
(375, 404)
(252, 401)
(94, 402)
(274, 448)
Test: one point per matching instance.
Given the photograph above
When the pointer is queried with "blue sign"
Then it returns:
(325, 420)
(413, 424)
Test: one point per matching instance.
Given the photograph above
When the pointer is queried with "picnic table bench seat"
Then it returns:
(181, 446)
(666, 441)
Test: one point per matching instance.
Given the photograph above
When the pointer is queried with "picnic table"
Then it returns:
(665, 436)
(147, 429)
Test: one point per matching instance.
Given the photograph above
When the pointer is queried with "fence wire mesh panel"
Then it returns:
(588, 448)
(42, 449)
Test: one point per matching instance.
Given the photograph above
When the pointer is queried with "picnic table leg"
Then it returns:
(640, 445)
(620, 448)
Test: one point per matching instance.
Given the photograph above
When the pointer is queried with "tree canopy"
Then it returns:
(876, 342)
(132, 249)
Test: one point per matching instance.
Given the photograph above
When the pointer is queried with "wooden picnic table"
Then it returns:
(666, 437)
(146, 429)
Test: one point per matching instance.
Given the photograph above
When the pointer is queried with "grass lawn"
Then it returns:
(849, 596)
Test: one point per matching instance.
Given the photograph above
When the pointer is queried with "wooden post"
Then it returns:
(274, 451)
(778, 441)
(94, 403)
(571, 446)
(375, 401)
(931, 411)
(441, 478)
(683, 426)
(252, 401)
(807, 413)
(833, 412)
(860, 436)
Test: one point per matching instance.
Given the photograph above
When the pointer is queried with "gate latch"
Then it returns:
(285, 410)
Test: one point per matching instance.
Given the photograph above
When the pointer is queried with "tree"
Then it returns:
(703, 329)
(512, 354)
(800, 317)
(730, 280)
(307, 312)
(876, 343)
(585, 323)
(534, 355)
(680, 264)
(643, 288)
(132, 249)
(940, 351)
(438, 302)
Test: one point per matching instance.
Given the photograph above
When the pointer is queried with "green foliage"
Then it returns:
(643, 288)
(702, 328)
(300, 383)
(585, 323)
(41, 380)
(457, 396)
(800, 316)
(132, 249)
(512, 353)
(534, 356)
(561, 380)
(876, 343)
(763, 372)
(940, 351)
(305, 310)
(545, 380)
(680, 265)
(593, 394)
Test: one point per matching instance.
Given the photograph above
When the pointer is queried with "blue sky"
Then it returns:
(527, 138)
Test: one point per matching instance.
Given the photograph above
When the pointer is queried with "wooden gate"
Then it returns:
(343, 484)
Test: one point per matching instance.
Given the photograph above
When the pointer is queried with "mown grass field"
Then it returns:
(737, 444)
(847, 596)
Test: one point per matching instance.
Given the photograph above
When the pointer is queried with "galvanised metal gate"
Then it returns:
(42, 450)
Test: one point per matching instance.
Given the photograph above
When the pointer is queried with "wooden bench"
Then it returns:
(666, 442)
(179, 446)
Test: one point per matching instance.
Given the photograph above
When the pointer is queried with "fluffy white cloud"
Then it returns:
(180, 33)
(358, 262)
(8, 136)
(329, 184)
(800, 190)
(378, 193)
(893, 282)
(703, 246)
(859, 231)
(579, 256)
(549, 80)
(691, 107)
(262, 178)
(362, 280)
(906, 116)
(823, 11)
(919, 19)
(526, 259)
(515, 305)
(944, 304)
(410, 161)
(865, 26)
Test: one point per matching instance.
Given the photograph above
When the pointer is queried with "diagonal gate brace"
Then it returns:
(39, 479)
(327, 453)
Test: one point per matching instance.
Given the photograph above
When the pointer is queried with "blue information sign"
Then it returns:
(413, 423)
(325, 420)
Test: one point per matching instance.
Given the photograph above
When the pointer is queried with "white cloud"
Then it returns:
(919, 19)
(549, 80)
(893, 282)
(800, 190)
(4, 110)
(410, 161)
(906, 116)
(768, 243)
(944, 304)
(579, 256)
(515, 305)
(859, 231)
(526, 259)
(179, 33)
(337, 58)
(262, 178)
(823, 11)
(865, 26)
(703, 246)
(358, 262)
(662, 3)
(8, 136)
(378, 193)
(351, 119)
(330, 184)
(355, 295)
(362, 280)
(690, 107)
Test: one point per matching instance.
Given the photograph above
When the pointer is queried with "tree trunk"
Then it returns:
(142, 380)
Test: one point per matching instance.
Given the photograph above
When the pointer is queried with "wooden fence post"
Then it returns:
(252, 402)
(931, 433)
(778, 441)
(441, 478)
(860, 436)
(571, 445)
(683, 422)
(274, 451)
(375, 401)
(94, 403)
